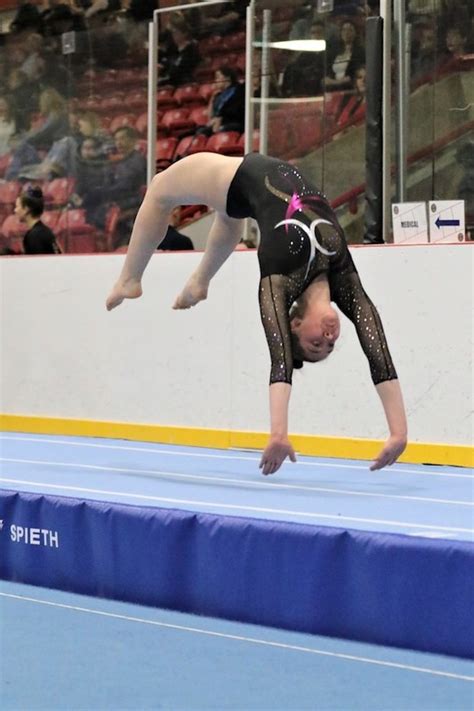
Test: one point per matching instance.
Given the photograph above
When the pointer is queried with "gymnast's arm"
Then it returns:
(274, 314)
(348, 293)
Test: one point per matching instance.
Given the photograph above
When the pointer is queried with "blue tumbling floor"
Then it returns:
(325, 546)
(66, 652)
(418, 500)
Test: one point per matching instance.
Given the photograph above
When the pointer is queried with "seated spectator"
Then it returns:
(343, 58)
(425, 56)
(55, 126)
(304, 73)
(7, 125)
(227, 105)
(456, 44)
(174, 240)
(178, 67)
(353, 103)
(125, 180)
(28, 17)
(39, 239)
(224, 18)
(61, 159)
(23, 96)
(91, 170)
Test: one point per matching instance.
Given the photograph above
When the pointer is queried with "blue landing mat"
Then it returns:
(373, 586)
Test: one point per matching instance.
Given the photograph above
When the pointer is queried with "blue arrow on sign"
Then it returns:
(446, 223)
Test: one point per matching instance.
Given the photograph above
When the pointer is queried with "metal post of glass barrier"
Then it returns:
(152, 90)
(265, 81)
(153, 76)
(250, 31)
(402, 93)
(386, 14)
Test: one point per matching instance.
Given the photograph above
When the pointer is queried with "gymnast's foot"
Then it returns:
(194, 292)
(126, 290)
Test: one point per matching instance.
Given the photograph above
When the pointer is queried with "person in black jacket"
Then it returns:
(227, 104)
(39, 239)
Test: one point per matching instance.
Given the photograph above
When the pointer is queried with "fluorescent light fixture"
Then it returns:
(302, 45)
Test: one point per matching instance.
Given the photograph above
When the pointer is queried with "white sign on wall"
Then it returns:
(447, 222)
(409, 222)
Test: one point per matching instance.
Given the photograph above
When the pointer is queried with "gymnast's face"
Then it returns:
(317, 334)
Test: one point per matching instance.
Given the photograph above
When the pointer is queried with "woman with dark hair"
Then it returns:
(344, 58)
(304, 260)
(226, 105)
(39, 239)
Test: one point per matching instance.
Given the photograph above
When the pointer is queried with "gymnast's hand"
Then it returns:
(123, 290)
(393, 448)
(276, 451)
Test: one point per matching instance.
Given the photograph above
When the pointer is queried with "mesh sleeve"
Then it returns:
(274, 310)
(349, 295)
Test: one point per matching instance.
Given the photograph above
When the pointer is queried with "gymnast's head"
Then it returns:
(314, 331)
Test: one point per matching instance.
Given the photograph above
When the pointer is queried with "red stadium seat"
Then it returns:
(165, 98)
(137, 100)
(5, 161)
(200, 115)
(165, 148)
(50, 219)
(207, 90)
(236, 41)
(188, 95)
(223, 142)
(177, 121)
(58, 191)
(74, 222)
(255, 140)
(12, 228)
(142, 123)
(190, 144)
(113, 103)
(9, 192)
(121, 121)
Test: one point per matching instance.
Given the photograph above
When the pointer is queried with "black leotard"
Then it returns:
(291, 255)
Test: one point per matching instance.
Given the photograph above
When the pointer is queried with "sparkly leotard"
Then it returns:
(300, 239)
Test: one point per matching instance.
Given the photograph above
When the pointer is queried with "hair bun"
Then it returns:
(297, 364)
(34, 192)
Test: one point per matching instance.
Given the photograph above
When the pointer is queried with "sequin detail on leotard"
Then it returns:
(288, 210)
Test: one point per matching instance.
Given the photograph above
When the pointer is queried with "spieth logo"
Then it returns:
(33, 536)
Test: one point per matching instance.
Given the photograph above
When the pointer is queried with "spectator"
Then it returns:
(343, 59)
(178, 67)
(174, 240)
(54, 127)
(125, 179)
(28, 17)
(224, 18)
(304, 74)
(456, 43)
(7, 125)
(23, 96)
(91, 170)
(39, 239)
(353, 103)
(227, 105)
(425, 52)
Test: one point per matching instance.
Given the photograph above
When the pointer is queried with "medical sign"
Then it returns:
(409, 221)
(447, 222)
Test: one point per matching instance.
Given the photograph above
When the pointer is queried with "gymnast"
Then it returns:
(304, 265)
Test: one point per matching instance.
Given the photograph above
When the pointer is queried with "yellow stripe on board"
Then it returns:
(340, 447)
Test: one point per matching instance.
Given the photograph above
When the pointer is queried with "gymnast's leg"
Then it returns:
(203, 178)
(224, 236)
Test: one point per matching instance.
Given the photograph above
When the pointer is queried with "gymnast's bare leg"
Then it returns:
(203, 178)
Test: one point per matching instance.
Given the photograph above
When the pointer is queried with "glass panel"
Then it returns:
(441, 113)
(315, 58)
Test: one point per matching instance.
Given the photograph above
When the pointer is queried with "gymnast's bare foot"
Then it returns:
(194, 292)
(127, 290)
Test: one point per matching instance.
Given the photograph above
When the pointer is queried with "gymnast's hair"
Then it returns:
(297, 311)
(32, 199)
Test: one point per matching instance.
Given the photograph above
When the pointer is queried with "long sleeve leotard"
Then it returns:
(301, 239)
